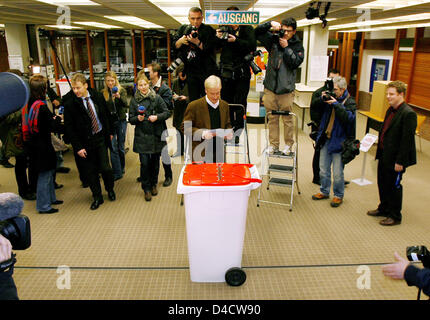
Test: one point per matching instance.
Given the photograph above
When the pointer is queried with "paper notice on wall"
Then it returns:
(15, 62)
(319, 68)
(367, 142)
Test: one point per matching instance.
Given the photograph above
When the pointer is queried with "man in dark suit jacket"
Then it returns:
(88, 126)
(396, 151)
(206, 115)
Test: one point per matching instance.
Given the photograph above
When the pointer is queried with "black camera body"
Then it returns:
(278, 35)
(419, 253)
(226, 30)
(191, 30)
(330, 90)
(249, 58)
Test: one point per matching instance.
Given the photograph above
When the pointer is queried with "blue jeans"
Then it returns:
(117, 155)
(45, 194)
(326, 161)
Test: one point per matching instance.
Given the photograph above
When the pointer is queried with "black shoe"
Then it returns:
(167, 182)
(58, 186)
(85, 185)
(52, 210)
(139, 179)
(58, 202)
(148, 195)
(7, 164)
(111, 195)
(63, 170)
(96, 203)
(29, 196)
(117, 178)
(346, 182)
(154, 190)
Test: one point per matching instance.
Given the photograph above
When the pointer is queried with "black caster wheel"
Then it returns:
(235, 277)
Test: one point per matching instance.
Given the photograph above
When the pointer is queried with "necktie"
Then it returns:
(94, 123)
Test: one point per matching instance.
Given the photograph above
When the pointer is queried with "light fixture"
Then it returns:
(62, 26)
(271, 8)
(96, 24)
(390, 4)
(177, 10)
(134, 21)
(70, 2)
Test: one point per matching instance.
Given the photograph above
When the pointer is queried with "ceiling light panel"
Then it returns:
(62, 26)
(97, 25)
(70, 2)
(390, 4)
(271, 8)
(177, 9)
(135, 21)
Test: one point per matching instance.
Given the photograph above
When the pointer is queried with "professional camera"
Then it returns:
(278, 34)
(314, 130)
(329, 93)
(419, 253)
(226, 30)
(191, 30)
(175, 64)
(249, 58)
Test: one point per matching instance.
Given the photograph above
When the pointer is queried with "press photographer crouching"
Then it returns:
(14, 234)
(316, 112)
(238, 45)
(414, 276)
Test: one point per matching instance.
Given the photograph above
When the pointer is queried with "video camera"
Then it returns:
(13, 225)
(419, 253)
(249, 58)
(330, 90)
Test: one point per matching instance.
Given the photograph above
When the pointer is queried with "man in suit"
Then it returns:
(208, 115)
(396, 151)
(90, 130)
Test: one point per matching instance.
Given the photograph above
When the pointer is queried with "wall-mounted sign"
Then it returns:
(231, 17)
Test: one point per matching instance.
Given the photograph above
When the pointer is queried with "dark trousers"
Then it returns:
(97, 161)
(236, 91)
(7, 286)
(26, 183)
(316, 165)
(149, 169)
(196, 87)
(80, 164)
(390, 195)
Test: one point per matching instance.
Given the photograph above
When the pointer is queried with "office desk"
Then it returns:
(303, 107)
(302, 98)
(373, 121)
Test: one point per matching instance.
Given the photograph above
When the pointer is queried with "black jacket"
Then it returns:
(148, 136)
(204, 64)
(77, 121)
(233, 53)
(283, 62)
(399, 139)
(317, 105)
(419, 278)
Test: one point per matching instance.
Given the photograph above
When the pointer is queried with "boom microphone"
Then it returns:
(10, 205)
(14, 93)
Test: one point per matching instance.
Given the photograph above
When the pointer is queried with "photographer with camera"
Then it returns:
(286, 54)
(337, 125)
(236, 42)
(316, 112)
(414, 276)
(195, 44)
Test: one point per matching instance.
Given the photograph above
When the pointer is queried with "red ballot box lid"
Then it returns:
(217, 174)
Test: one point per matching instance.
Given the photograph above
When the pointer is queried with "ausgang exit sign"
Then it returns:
(231, 17)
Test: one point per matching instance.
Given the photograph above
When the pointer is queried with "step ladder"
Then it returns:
(230, 147)
(282, 175)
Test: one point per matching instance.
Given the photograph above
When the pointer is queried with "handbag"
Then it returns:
(350, 149)
(57, 143)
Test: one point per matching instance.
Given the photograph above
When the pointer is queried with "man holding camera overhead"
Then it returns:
(237, 42)
(286, 54)
(195, 44)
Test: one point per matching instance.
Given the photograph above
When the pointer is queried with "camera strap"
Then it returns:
(7, 266)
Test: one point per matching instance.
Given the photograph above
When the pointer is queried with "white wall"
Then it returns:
(366, 66)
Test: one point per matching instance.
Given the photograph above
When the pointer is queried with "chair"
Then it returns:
(420, 120)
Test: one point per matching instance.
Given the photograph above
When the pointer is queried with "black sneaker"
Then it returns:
(63, 170)
(7, 164)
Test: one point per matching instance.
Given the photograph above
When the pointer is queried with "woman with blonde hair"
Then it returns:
(148, 112)
(116, 101)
